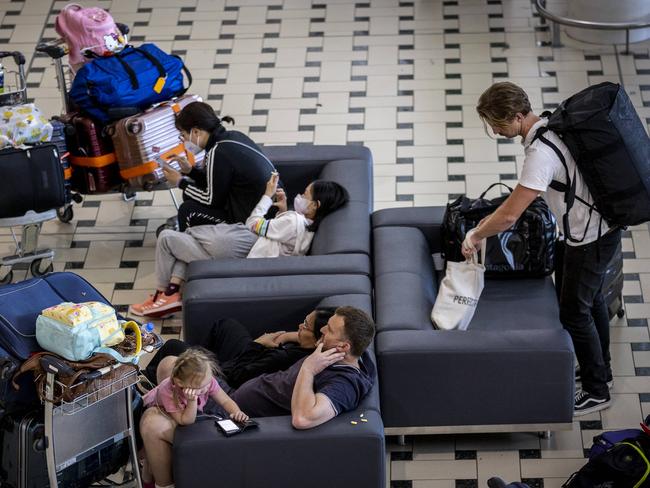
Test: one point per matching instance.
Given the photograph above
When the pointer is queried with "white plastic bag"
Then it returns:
(459, 293)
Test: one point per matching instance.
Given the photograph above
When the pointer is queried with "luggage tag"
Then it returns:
(160, 84)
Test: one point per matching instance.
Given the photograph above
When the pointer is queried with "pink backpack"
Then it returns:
(90, 29)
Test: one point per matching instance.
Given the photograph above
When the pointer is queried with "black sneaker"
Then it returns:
(586, 403)
(578, 378)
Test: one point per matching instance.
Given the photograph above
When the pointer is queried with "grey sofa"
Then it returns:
(276, 454)
(512, 370)
(342, 242)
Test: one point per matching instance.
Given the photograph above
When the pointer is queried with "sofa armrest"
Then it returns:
(427, 219)
(261, 302)
(276, 454)
(283, 265)
(475, 377)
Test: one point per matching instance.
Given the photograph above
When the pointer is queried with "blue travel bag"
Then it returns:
(137, 77)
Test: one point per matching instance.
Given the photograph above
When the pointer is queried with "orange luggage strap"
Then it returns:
(93, 161)
(67, 173)
(139, 170)
(150, 166)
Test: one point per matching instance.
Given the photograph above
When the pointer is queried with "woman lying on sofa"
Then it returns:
(288, 234)
(242, 358)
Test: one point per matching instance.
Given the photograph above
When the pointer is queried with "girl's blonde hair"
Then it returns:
(193, 362)
(499, 104)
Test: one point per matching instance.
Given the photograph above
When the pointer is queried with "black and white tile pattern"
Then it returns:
(403, 78)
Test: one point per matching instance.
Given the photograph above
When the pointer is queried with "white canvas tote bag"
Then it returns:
(459, 293)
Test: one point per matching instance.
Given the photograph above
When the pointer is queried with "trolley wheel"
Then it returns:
(6, 279)
(128, 193)
(65, 214)
(621, 313)
(35, 267)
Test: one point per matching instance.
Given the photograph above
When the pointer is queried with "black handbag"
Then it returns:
(523, 251)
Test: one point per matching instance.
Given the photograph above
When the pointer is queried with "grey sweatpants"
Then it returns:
(175, 250)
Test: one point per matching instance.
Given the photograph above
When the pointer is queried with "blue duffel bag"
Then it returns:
(137, 77)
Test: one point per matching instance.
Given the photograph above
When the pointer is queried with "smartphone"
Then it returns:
(228, 427)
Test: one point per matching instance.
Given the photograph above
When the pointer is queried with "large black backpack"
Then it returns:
(610, 145)
(625, 465)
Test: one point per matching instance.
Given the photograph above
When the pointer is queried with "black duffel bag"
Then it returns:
(30, 179)
(525, 250)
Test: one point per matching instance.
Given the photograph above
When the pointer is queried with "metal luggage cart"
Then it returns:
(90, 423)
(15, 93)
(57, 50)
(27, 247)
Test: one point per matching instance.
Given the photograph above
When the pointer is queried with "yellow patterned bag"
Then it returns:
(23, 124)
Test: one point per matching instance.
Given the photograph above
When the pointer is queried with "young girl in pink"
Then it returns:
(176, 401)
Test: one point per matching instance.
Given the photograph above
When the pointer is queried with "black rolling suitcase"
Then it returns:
(30, 179)
(613, 285)
(23, 463)
(612, 281)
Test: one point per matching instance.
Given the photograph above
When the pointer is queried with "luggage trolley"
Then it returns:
(89, 424)
(15, 93)
(57, 50)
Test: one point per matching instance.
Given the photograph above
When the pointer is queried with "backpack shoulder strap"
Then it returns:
(250, 148)
(569, 189)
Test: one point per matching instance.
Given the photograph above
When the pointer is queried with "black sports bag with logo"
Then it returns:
(611, 148)
(525, 250)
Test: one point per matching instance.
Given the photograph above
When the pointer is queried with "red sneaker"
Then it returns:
(138, 308)
(164, 306)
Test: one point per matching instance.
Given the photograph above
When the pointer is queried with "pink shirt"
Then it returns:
(163, 396)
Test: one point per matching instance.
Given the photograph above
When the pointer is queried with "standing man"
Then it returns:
(505, 108)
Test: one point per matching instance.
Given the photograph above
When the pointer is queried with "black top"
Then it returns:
(270, 394)
(234, 175)
(256, 359)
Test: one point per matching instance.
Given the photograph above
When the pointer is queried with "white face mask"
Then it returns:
(301, 204)
(191, 147)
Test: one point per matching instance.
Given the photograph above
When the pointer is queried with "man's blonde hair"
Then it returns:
(499, 104)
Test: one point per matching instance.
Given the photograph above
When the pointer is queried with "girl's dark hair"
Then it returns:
(202, 116)
(331, 196)
(323, 314)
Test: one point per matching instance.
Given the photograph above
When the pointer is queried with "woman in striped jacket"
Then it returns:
(229, 185)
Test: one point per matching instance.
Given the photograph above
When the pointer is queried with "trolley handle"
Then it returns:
(18, 56)
(55, 50)
(51, 364)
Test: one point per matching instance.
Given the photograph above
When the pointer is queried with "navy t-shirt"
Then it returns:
(270, 394)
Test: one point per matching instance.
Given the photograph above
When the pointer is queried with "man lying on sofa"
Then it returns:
(331, 380)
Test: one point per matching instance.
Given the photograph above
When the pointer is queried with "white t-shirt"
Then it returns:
(541, 166)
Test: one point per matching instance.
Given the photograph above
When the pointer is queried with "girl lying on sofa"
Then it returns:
(288, 234)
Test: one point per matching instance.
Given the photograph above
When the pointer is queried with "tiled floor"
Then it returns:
(401, 77)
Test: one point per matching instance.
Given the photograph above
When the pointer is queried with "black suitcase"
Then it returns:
(613, 285)
(612, 281)
(59, 140)
(30, 179)
(23, 463)
(10, 399)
